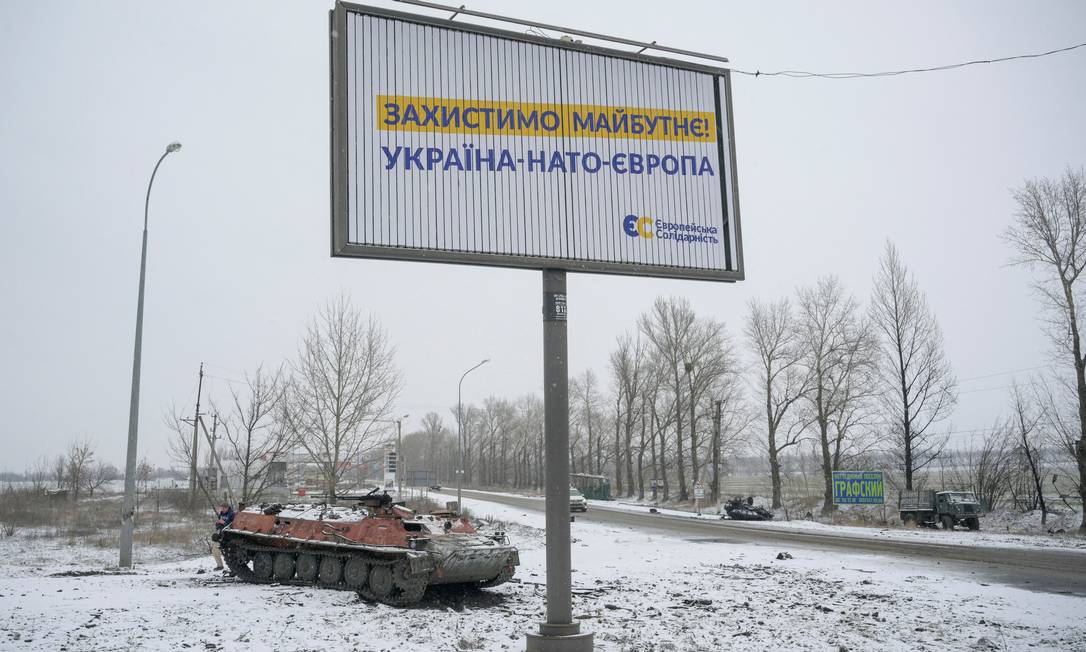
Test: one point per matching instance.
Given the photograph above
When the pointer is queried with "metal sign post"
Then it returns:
(560, 632)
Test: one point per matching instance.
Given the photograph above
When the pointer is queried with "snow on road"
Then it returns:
(635, 590)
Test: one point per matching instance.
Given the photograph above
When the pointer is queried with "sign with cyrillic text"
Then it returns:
(858, 488)
(458, 143)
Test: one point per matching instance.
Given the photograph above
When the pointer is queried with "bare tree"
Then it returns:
(78, 466)
(627, 371)
(1049, 233)
(920, 388)
(495, 420)
(838, 355)
(667, 326)
(709, 365)
(781, 378)
(988, 469)
(731, 420)
(143, 474)
(38, 475)
(344, 380)
(434, 432)
(253, 431)
(469, 418)
(1027, 422)
(58, 471)
(99, 475)
(584, 398)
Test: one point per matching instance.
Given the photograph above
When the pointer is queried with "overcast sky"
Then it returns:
(239, 255)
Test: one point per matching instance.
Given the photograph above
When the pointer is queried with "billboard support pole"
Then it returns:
(559, 633)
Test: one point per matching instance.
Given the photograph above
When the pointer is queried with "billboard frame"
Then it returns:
(340, 247)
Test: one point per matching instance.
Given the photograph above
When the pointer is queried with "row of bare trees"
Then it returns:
(76, 472)
(680, 404)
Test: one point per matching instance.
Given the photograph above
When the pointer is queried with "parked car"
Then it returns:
(577, 502)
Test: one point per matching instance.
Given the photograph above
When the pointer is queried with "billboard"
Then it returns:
(858, 488)
(458, 143)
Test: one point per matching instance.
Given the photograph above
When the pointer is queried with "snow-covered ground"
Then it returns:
(635, 590)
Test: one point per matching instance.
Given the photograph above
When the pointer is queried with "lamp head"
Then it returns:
(485, 360)
(173, 147)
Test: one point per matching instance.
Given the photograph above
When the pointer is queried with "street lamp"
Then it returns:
(128, 511)
(460, 435)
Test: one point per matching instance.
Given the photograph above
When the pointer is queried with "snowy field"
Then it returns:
(634, 590)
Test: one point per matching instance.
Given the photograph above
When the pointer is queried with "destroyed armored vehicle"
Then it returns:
(380, 549)
(743, 509)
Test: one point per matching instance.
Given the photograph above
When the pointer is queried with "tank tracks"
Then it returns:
(381, 579)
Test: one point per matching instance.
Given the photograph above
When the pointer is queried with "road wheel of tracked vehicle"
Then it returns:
(356, 572)
(973, 523)
(284, 567)
(948, 521)
(307, 567)
(407, 588)
(263, 566)
(331, 571)
(500, 578)
(237, 559)
(381, 581)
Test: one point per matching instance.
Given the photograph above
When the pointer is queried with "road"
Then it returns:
(1046, 570)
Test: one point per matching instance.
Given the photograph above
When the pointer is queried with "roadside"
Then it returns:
(1012, 538)
(1000, 530)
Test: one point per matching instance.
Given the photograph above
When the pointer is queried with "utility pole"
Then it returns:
(399, 458)
(218, 464)
(215, 451)
(195, 440)
(716, 453)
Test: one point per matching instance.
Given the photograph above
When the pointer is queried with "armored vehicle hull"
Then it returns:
(384, 552)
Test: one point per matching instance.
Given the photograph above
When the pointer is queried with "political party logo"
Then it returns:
(647, 227)
(635, 226)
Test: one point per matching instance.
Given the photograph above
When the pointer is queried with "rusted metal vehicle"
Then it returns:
(381, 550)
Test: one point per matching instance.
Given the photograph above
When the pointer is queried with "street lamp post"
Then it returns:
(460, 435)
(128, 511)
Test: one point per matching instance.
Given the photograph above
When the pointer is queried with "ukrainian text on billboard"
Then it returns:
(458, 141)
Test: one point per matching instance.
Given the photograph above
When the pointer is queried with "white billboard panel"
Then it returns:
(456, 143)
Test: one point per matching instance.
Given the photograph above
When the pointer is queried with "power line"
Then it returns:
(801, 74)
(1006, 373)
